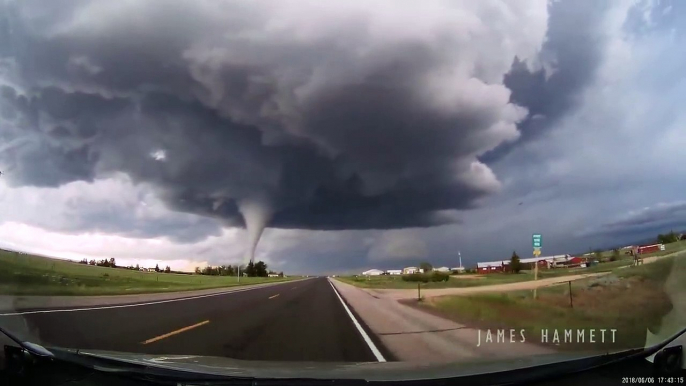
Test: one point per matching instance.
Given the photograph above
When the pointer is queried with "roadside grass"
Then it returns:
(629, 300)
(393, 281)
(476, 280)
(23, 274)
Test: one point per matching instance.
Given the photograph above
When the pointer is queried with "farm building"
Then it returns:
(373, 272)
(395, 272)
(651, 248)
(527, 263)
(442, 269)
(491, 266)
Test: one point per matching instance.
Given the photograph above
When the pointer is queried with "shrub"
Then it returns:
(438, 276)
(416, 277)
(426, 277)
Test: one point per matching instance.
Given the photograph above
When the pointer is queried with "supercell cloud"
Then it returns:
(297, 115)
(174, 123)
(348, 115)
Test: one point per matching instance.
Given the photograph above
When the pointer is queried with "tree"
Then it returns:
(157, 268)
(167, 270)
(261, 269)
(598, 253)
(92, 262)
(113, 263)
(615, 255)
(138, 268)
(84, 261)
(250, 269)
(198, 271)
(426, 266)
(515, 263)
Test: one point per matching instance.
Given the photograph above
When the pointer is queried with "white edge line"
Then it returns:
(138, 304)
(366, 338)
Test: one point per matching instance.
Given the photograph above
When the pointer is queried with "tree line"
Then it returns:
(670, 237)
(112, 263)
(258, 269)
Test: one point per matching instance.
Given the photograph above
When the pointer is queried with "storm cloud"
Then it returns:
(347, 118)
(569, 60)
(657, 218)
(160, 129)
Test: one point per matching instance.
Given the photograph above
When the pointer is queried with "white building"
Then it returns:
(458, 269)
(373, 272)
(395, 272)
(442, 269)
(410, 270)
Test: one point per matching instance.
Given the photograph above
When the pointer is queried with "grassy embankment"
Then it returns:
(630, 300)
(472, 280)
(22, 274)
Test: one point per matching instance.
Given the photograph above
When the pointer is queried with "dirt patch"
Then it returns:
(467, 277)
(628, 305)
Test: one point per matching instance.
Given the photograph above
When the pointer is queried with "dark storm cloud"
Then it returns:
(656, 219)
(198, 102)
(573, 50)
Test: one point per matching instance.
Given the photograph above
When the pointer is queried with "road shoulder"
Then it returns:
(413, 335)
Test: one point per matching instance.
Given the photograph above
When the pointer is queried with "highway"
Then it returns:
(294, 321)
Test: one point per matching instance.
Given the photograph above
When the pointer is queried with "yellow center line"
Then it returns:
(272, 297)
(155, 339)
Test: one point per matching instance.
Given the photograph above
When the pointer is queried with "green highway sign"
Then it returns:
(537, 240)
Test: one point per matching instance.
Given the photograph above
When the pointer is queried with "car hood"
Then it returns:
(371, 371)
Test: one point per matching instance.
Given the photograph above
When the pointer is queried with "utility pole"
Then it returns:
(535, 275)
(239, 273)
(537, 241)
(460, 256)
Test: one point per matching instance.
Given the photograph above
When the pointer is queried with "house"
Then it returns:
(458, 270)
(410, 270)
(273, 275)
(395, 272)
(373, 272)
(442, 269)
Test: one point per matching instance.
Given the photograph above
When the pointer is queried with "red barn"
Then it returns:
(577, 260)
(651, 248)
(491, 267)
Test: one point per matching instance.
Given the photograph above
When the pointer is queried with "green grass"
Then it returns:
(390, 281)
(22, 274)
(630, 300)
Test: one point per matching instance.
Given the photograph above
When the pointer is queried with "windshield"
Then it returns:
(343, 181)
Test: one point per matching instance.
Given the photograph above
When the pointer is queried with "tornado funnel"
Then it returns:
(256, 214)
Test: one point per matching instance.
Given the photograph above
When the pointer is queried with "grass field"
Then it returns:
(389, 281)
(630, 300)
(474, 280)
(22, 274)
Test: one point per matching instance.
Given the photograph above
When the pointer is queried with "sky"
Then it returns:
(338, 136)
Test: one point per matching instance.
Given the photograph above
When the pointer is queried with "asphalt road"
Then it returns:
(293, 321)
